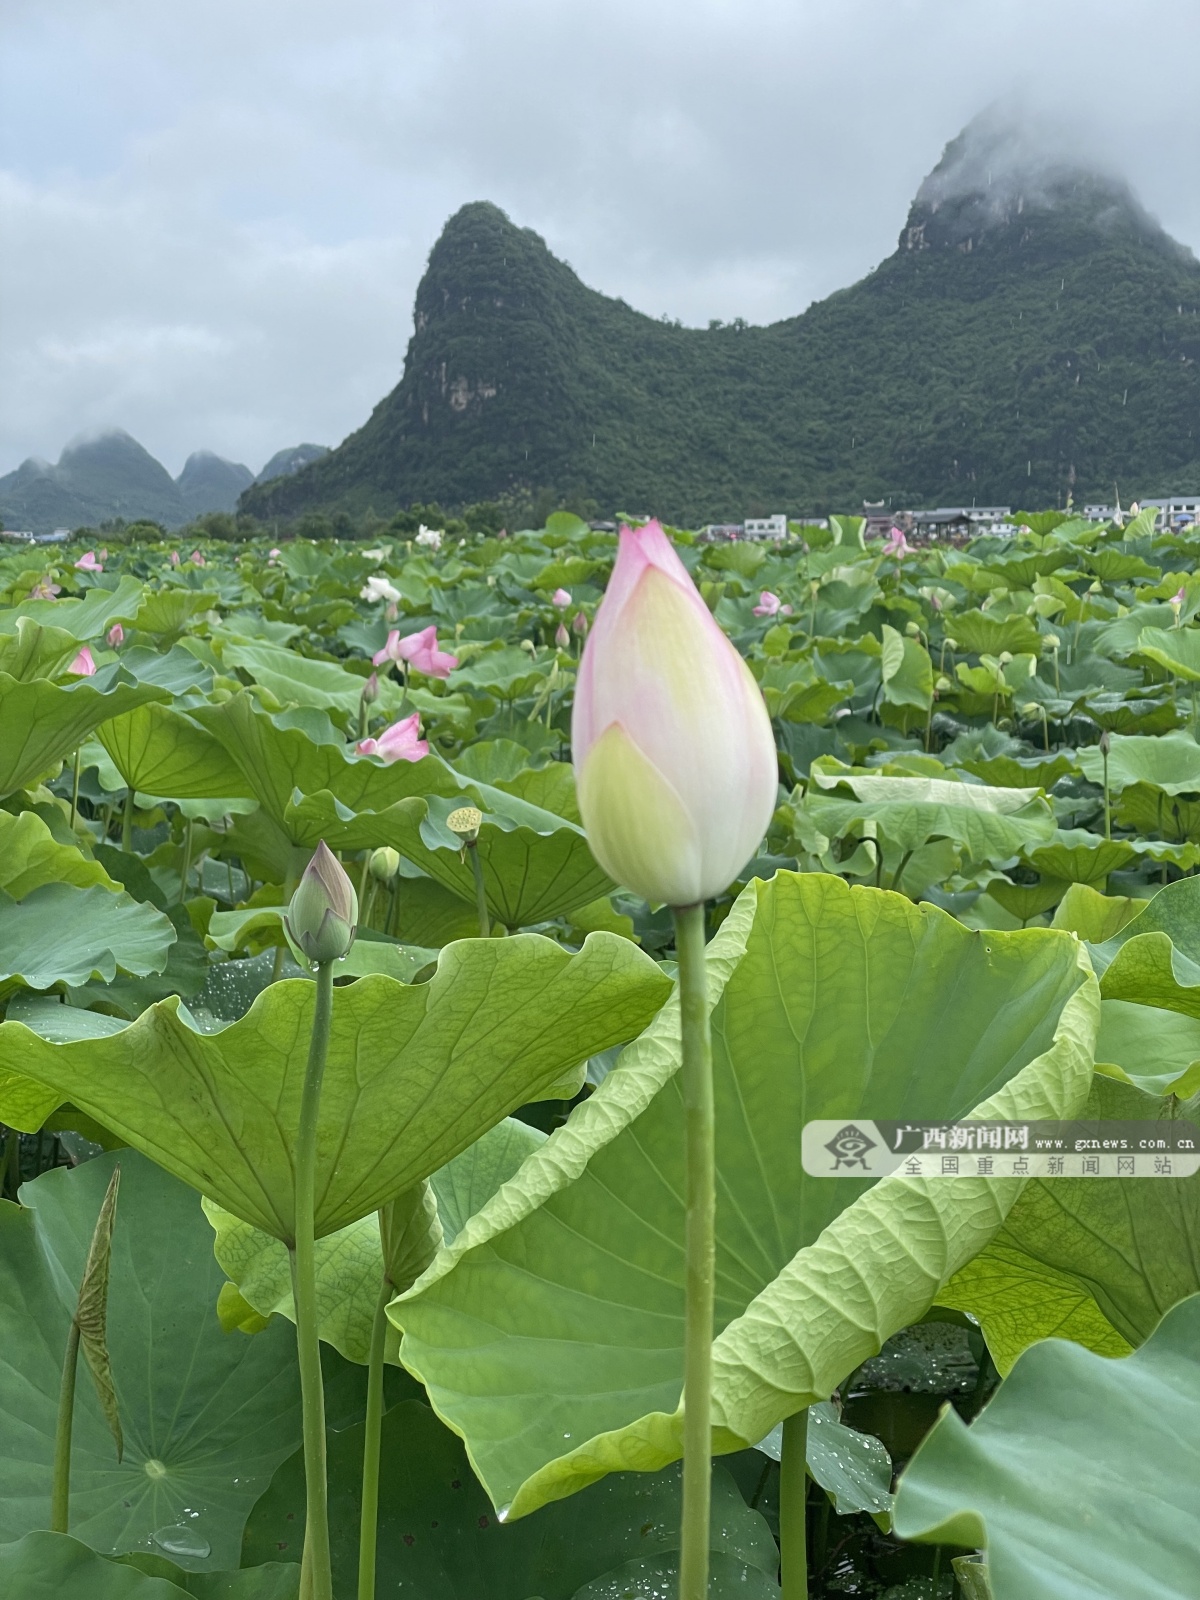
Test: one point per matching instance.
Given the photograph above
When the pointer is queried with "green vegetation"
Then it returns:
(977, 899)
(1010, 358)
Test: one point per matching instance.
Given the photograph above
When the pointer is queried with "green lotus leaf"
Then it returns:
(853, 1468)
(507, 673)
(83, 619)
(550, 1332)
(57, 1567)
(1095, 916)
(984, 633)
(1176, 649)
(36, 650)
(206, 1418)
(1154, 959)
(908, 674)
(161, 751)
(43, 721)
(1148, 809)
(350, 1262)
(1077, 856)
(414, 1074)
(295, 680)
(991, 824)
(1097, 1260)
(1171, 763)
(535, 865)
(167, 612)
(281, 759)
(63, 934)
(1157, 1050)
(1079, 1476)
(439, 1536)
(30, 856)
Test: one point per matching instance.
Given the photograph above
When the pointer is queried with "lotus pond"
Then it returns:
(977, 898)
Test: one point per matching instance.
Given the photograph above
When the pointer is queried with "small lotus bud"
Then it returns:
(579, 624)
(370, 689)
(943, 684)
(951, 644)
(912, 630)
(1052, 641)
(384, 864)
(1005, 657)
(322, 915)
(561, 637)
(561, 598)
(1105, 742)
(115, 636)
(528, 644)
(1031, 709)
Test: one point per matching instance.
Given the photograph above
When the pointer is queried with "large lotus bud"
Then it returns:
(321, 917)
(674, 756)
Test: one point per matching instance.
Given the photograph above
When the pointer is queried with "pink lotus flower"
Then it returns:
(769, 606)
(196, 558)
(420, 650)
(115, 636)
(43, 589)
(674, 755)
(561, 598)
(174, 558)
(896, 545)
(1178, 597)
(88, 562)
(401, 742)
(83, 666)
(275, 553)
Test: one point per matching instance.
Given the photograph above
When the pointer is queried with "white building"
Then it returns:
(1176, 511)
(775, 527)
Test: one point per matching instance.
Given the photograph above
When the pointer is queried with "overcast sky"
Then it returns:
(213, 216)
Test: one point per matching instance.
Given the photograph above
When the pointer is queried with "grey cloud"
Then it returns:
(215, 218)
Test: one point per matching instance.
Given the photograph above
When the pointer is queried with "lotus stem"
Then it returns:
(75, 790)
(187, 862)
(127, 822)
(481, 905)
(793, 1507)
(369, 1524)
(60, 1498)
(317, 1579)
(699, 1250)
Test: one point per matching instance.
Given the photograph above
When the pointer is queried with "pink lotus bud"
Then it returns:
(174, 558)
(768, 604)
(561, 598)
(321, 915)
(88, 562)
(274, 553)
(83, 666)
(580, 624)
(561, 637)
(674, 755)
(196, 558)
(115, 637)
(1178, 597)
(370, 689)
(391, 611)
(401, 742)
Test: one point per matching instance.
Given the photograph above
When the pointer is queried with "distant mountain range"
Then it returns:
(1034, 334)
(109, 475)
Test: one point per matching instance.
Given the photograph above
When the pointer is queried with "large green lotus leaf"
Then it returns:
(279, 760)
(43, 721)
(535, 865)
(273, 1580)
(1171, 763)
(1149, 809)
(1097, 1260)
(1157, 1050)
(506, 673)
(31, 856)
(83, 619)
(160, 751)
(206, 1418)
(991, 824)
(63, 934)
(36, 650)
(983, 633)
(295, 680)
(1177, 649)
(1080, 1476)
(439, 1539)
(550, 1333)
(350, 1262)
(1154, 960)
(414, 1073)
(175, 669)
(168, 611)
(1077, 856)
(53, 1566)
